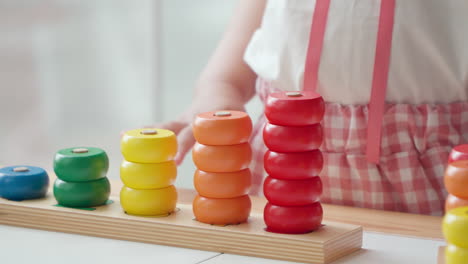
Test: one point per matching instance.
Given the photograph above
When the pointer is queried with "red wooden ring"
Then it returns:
(293, 219)
(292, 192)
(284, 110)
(292, 138)
(293, 166)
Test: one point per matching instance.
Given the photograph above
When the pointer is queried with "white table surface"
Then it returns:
(22, 245)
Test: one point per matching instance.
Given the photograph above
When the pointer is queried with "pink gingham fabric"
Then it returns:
(416, 141)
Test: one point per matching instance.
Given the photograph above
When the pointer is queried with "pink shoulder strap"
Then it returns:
(314, 50)
(380, 79)
(381, 67)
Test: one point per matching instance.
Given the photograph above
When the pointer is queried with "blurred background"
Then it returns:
(77, 73)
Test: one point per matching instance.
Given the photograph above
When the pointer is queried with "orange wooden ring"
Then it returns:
(219, 128)
(222, 184)
(222, 211)
(456, 178)
(222, 158)
(453, 202)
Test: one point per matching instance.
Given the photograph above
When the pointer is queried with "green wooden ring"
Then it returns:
(80, 167)
(82, 194)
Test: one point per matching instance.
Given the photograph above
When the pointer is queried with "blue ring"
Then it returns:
(18, 186)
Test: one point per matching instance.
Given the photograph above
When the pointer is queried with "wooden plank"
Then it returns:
(109, 226)
(388, 222)
(331, 242)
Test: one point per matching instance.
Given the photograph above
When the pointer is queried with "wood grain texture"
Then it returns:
(397, 223)
(329, 243)
(388, 222)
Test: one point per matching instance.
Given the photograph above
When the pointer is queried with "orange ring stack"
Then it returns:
(456, 182)
(222, 156)
(458, 194)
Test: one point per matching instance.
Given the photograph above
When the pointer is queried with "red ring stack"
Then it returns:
(293, 162)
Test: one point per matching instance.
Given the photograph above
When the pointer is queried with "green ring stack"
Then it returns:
(82, 180)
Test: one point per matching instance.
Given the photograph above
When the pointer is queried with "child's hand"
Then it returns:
(182, 126)
(184, 134)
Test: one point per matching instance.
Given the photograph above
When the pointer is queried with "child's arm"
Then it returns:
(226, 82)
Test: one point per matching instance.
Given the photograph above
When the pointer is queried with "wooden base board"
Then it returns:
(325, 245)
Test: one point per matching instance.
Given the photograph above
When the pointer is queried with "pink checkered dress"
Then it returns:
(416, 141)
(378, 155)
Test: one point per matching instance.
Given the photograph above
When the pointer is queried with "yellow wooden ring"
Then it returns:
(148, 175)
(148, 202)
(141, 147)
(455, 227)
(455, 255)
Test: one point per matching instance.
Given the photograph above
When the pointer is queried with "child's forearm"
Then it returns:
(226, 73)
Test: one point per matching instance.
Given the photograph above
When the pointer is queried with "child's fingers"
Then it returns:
(174, 126)
(185, 140)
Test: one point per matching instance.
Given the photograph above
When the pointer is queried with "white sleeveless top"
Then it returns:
(429, 57)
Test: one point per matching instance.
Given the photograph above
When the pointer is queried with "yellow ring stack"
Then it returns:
(455, 229)
(148, 172)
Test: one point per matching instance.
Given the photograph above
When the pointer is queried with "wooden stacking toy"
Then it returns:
(81, 177)
(226, 218)
(148, 172)
(18, 183)
(293, 162)
(222, 156)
